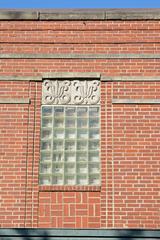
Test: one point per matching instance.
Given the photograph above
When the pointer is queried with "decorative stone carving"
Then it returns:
(71, 92)
(56, 92)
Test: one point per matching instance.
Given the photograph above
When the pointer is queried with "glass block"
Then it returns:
(46, 111)
(70, 111)
(70, 180)
(82, 111)
(58, 122)
(58, 180)
(93, 156)
(82, 180)
(82, 123)
(82, 168)
(70, 145)
(94, 180)
(59, 133)
(70, 133)
(94, 111)
(94, 145)
(70, 123)
(58, 145)
(46, 156)
(59, 111)
(93, 122)
(82, 134)
(46, 122)
(94, 168)
(46, 134)
(46, 168)
(69, 168)
(82, 157)
(45, 180)
(57, 168)
(82, 145)
(70, 157)
(46, 145)
(94, 133)
(58, 157)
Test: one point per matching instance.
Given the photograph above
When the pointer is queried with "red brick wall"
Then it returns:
(13, 152)
(129, 194)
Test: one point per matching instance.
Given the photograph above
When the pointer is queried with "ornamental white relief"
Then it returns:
(71, 92)
(56, 92)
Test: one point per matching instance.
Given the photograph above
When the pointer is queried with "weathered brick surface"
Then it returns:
(130, 149)
(69, 209)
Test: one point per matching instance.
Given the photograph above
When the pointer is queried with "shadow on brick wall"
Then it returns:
(78, 234)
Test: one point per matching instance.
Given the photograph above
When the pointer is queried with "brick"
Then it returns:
(128, 196)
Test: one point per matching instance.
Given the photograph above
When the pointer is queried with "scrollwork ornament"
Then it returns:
(71, 92)
(56, 92)
(86, 92)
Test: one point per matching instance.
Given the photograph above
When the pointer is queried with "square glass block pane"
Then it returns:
(82, 156)
(69, 168)
(82, 111)
(70, 133)
(82, 145)
(46, 156)
(46, 133)
(94, 145)
(58, 157)
(70, 111)
(82, 168)
(82, 179)
(94, 168)
(58, 145)
(94, 179)
(58, 133)
(70, 123)
(70, 180)
(47, 122)
(58, 111)
(93, 122)
(57, 168)
(46, 167)
(45, 180)
(94, 134)
(94, 156)
(46, 145)
(58, 179)
(82, 123)
(46, 111)
(58, 122)
(82, 133)
(70, 157)
(94, 111)
(70, 145)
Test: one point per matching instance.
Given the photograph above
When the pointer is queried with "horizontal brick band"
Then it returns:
(79, 75)
(14, 100)
(130, 79)
(70, 75)
(136, 101)
(20, 78)
(69, 188)
(78, 56)
(65, 234)
(53, 75)
(81, 14)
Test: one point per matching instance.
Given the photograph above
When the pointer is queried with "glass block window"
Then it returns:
(70, 139)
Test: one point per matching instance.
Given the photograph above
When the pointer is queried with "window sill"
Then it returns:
(69, 188)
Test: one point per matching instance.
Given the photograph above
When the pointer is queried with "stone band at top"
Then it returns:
(81, 14)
